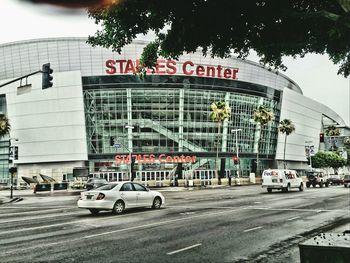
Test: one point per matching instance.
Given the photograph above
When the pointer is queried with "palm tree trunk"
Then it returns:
(257, 155)
(284, 152)
(217, 155)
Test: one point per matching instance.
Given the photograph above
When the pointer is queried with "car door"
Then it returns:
(143, 196)
(128, 194)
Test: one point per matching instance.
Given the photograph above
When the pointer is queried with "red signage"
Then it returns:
(151, 158)
(169, 67)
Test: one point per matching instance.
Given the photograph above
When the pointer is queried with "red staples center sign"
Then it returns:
(151, 158)
(170, 67)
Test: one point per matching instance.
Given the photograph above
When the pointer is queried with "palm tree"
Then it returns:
(262, 115)
(332, 131)
(4, 126)
(220, 112)
(286, 127)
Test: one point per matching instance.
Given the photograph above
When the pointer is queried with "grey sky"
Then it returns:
(315, 74)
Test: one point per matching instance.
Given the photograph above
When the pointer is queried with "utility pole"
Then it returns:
(238, 161)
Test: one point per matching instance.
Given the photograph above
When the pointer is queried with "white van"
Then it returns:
(280, 179)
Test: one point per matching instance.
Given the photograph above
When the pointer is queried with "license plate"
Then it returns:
(89, 196)
(274, 180)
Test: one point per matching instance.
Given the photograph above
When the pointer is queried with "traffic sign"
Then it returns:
(117, 145)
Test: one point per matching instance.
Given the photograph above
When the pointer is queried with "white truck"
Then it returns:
(281, 179)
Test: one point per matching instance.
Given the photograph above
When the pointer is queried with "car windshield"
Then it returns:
(106, 187)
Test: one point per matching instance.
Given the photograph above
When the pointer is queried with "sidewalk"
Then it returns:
(19, 195)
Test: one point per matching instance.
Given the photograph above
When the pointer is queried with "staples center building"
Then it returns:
(99, 113)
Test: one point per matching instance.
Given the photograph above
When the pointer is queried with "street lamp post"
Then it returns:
(130, 128)
(236, 132)
(12, 168)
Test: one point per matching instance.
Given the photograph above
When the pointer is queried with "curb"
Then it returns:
(8, 200)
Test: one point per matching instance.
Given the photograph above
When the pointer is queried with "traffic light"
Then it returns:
(111, 141)
(15, 152)
(321, 137)
(47, 77)
(235, 160)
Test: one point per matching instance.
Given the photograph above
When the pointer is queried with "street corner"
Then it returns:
(5, 200)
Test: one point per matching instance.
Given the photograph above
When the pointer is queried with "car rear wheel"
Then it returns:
(301, 187)
(288, 188)
(118, 207)
(269, 190)
(157, 203)
(94, 211)
(307, 184)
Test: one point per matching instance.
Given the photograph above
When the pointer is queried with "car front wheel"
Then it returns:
(301, 187)
(118, 207)
(157, 203)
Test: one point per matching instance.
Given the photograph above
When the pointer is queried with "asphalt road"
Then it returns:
(238, 224)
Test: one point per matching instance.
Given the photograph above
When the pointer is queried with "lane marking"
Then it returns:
(29, 248)
(290, 219)
(37, 211)
(40, 217)
(296, 209)
(84, 221)
(252, 229)
(183, 249)
(159, 223)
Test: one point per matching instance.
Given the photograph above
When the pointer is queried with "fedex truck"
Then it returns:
(281, 179)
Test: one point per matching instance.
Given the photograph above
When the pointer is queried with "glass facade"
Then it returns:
(171, 115)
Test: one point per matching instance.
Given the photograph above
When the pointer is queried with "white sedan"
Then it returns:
(119, 196)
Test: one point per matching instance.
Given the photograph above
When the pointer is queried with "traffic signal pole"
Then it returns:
(47, 78)
(47, 83)
(20, 78)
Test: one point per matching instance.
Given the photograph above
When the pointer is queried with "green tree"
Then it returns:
(223, 28)
(286, 127)
(220, 111)
(262, 115)
(328, 160)
(5, 126)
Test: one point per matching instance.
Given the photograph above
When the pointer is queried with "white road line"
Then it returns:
(167, 222)
(40, 217)
(252, 229)
(37, 211)
(183, 249)
(29, 248)
(296, 209)
(290, 219)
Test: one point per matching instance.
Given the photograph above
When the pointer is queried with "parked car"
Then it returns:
(283, 180)
(346, 180)
(119, 196)
(316, 178)
(78, 185)
(335, 180)
(95, 182)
